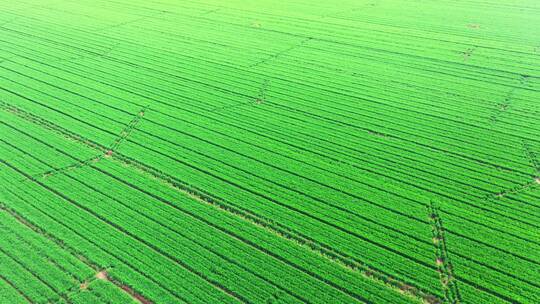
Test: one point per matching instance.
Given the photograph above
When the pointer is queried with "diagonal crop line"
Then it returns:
(517, 189)
(506, 103)
(124, 134)
(283, 52)
(69, 167)
(284, 232)
(261, 98)
(535, 164)
(127, 130)
(45, 123)
(444, 265)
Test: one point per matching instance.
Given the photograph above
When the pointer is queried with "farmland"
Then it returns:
(269, 152)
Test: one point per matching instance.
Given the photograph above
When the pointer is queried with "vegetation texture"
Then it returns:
(227, 151)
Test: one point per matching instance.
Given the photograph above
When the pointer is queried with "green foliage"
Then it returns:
(269, 152)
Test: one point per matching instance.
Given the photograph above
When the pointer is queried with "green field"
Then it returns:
(226, 151)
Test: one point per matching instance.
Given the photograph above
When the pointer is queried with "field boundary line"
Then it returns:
(261, 98)
(535, 164)
(69, 167)
(444, 265)
(127, 130)
(517, 189)
(107, 152)
(280, 53)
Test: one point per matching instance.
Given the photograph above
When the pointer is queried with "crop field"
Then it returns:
(228, 151)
